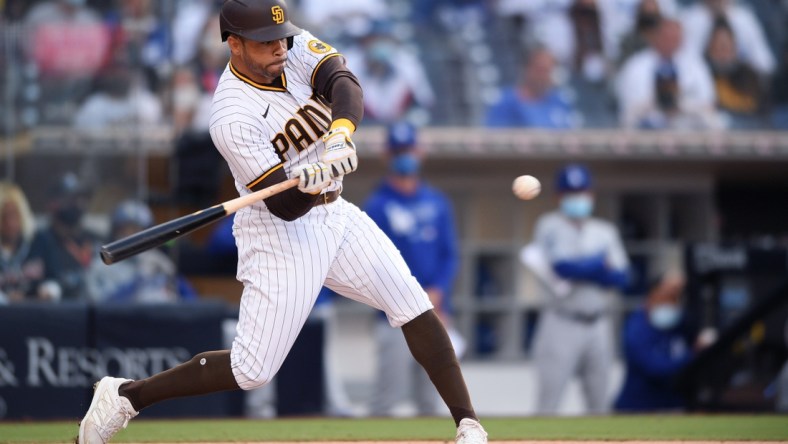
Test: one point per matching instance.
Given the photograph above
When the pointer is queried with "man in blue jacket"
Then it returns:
(420, 222)
(656, 348)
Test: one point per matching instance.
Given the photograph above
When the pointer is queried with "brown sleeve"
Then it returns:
(289, 204)
(334, 81)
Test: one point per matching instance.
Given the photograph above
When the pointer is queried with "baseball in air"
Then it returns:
(526, 187)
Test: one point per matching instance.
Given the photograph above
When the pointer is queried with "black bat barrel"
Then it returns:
(157, 235)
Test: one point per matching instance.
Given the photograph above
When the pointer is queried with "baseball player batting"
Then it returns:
(286, 107)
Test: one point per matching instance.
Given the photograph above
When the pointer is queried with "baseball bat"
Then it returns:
(159, 234)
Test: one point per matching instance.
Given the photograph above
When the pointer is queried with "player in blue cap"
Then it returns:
(419, 220)
(587, 257)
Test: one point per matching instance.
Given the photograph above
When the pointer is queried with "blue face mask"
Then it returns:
(406, 164)
(577, 206)
(665, 316)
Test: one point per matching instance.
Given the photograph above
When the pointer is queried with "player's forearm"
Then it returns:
(289, 204)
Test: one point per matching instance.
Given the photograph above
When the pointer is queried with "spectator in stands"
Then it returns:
(626, 19)
(419, 220)
(68, 44)
(545, 22)
(349, 18)
(19, 273)
(193, 84)
(197, 177)
(64, 246)
(148, 277)
(660, 87)
(647, 20)
(395, 82)
(188, 27)
(589, 58)
(699, 19)
(143, 36)
(120, 100)
(737, 85)
(583, 35)
(535, 101)
(657, 345)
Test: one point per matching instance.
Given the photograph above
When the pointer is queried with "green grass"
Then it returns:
(614, 428)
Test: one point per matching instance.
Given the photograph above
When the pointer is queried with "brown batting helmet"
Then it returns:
(258, 20)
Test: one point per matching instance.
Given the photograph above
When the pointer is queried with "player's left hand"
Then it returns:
(340, 153)
(312, 177)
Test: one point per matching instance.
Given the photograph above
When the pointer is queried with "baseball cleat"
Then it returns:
(470, 431)
(108, 413)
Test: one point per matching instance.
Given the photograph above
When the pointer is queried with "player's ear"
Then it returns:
(236, 43)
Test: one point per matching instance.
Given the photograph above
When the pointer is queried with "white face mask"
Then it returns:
(577, 206)
(665, 316)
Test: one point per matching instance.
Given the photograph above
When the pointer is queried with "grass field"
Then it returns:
(613, 428)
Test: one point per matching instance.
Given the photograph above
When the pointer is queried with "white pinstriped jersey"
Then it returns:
(283, 265)
(258, 128)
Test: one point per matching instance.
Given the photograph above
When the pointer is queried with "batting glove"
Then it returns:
(312, 177)
(340, 153)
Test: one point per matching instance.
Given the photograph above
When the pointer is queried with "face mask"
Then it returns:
(577, 206)
(405, 165)
(665, 316)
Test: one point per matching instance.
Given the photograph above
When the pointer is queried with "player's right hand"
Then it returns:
(312, 177)
(340, 154)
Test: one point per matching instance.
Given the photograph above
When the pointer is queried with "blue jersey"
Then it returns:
(553, 111)
(422, 228)
(653, 358)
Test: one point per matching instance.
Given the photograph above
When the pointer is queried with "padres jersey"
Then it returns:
(283, 264)
(261, 128)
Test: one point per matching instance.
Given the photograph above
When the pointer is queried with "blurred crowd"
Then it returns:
(560, 64)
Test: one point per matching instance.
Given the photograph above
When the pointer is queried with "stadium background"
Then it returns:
(680, 197)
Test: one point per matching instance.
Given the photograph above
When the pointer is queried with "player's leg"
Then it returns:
(556, 353)
(282, 269)
(368, 268)
(117, 400)
(424, 393)
(392, 378)
(282, 277)
(595, 367)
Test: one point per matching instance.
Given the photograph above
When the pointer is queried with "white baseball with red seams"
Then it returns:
(526, 187)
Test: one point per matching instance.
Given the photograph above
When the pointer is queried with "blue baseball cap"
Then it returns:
(573, 178)
(402, 136)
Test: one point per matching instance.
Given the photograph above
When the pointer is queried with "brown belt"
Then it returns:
(327, 197)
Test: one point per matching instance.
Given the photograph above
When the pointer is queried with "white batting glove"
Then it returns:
(312, 177)
(340, 153)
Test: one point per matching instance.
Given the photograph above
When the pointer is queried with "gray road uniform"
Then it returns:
(574, 335)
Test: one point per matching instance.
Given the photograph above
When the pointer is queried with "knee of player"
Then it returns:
(251, 379)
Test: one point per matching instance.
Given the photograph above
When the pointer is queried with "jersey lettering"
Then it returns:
(295, 131)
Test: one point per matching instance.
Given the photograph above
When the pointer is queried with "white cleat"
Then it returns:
(108, 413)
(470, 431)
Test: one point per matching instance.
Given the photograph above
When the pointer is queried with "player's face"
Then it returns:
(264, 61)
